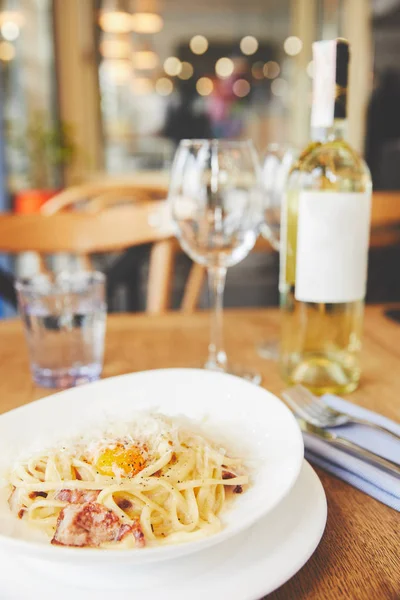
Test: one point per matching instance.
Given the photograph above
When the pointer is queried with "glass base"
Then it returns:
(235, 370)
(269, 350)
(65, 378)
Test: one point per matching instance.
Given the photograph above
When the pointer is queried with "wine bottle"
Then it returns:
(325, 237)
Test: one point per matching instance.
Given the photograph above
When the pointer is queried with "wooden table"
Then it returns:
(359, 555)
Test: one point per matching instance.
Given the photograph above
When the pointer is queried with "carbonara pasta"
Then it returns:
(149, 482)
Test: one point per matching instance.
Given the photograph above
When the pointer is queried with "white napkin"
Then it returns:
(372, 480)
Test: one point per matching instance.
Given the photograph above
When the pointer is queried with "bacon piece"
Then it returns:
(136, 531)
(124, 504)
(34, 495)
(91, 524)
(77, 496)
(138, 534)
(238, 489)
(228, 475)
(124, 530)
(68, 531)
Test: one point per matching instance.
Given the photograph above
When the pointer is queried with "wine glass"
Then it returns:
(278, 160)
(216, 201)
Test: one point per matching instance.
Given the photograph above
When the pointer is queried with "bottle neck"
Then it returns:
(337, 131)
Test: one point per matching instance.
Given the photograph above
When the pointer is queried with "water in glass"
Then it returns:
(64, 322)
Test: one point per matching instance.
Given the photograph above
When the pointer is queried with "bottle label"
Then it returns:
(332, 246)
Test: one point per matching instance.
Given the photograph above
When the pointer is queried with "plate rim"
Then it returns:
(315, 542)
(48, 551)
(259, 587)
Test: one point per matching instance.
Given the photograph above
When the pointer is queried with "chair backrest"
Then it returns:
(385, 208)
(106, 231)
(80, 233)
(385, 219)
(94, 196)
(106, 194)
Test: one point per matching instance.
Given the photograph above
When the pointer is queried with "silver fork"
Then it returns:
(314, 411)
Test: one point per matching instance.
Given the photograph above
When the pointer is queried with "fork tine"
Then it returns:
(317, 401)
(298, 410)
(290, 399)
(300, 395)
(304, 403)
(317, 409)
(309, 407)
(315, 412)
(294, 397)
(324, 409)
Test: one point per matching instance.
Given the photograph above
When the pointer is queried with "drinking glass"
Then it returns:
(278, 160)
(216, 201)
(64, 317)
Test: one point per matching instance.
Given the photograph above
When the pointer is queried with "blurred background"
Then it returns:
(94, 89)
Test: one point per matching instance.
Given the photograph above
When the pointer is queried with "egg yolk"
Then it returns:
(128, 460)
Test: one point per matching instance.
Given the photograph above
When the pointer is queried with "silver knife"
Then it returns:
(351, 447)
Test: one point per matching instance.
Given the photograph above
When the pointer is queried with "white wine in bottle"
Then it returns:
(325, 237)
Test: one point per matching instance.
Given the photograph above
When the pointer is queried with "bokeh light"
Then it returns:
(249, 45)
(292, 45)
(115, 21)
(10, 30)
(241, 88)
(271, 69)
(172, 66)
(146, 23)
(198, 44)
(224, 67)
(204, 86)
(7, 51)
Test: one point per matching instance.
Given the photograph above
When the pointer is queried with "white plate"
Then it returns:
(253, 422)
(251, 565)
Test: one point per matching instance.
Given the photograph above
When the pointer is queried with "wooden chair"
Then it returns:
(98, 196)
(107, 231)
(101, 195)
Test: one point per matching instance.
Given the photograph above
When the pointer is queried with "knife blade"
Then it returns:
(350, 447)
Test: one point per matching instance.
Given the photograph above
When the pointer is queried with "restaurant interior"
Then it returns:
(157, 164)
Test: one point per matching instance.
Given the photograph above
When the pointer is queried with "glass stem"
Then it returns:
(216, 354)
